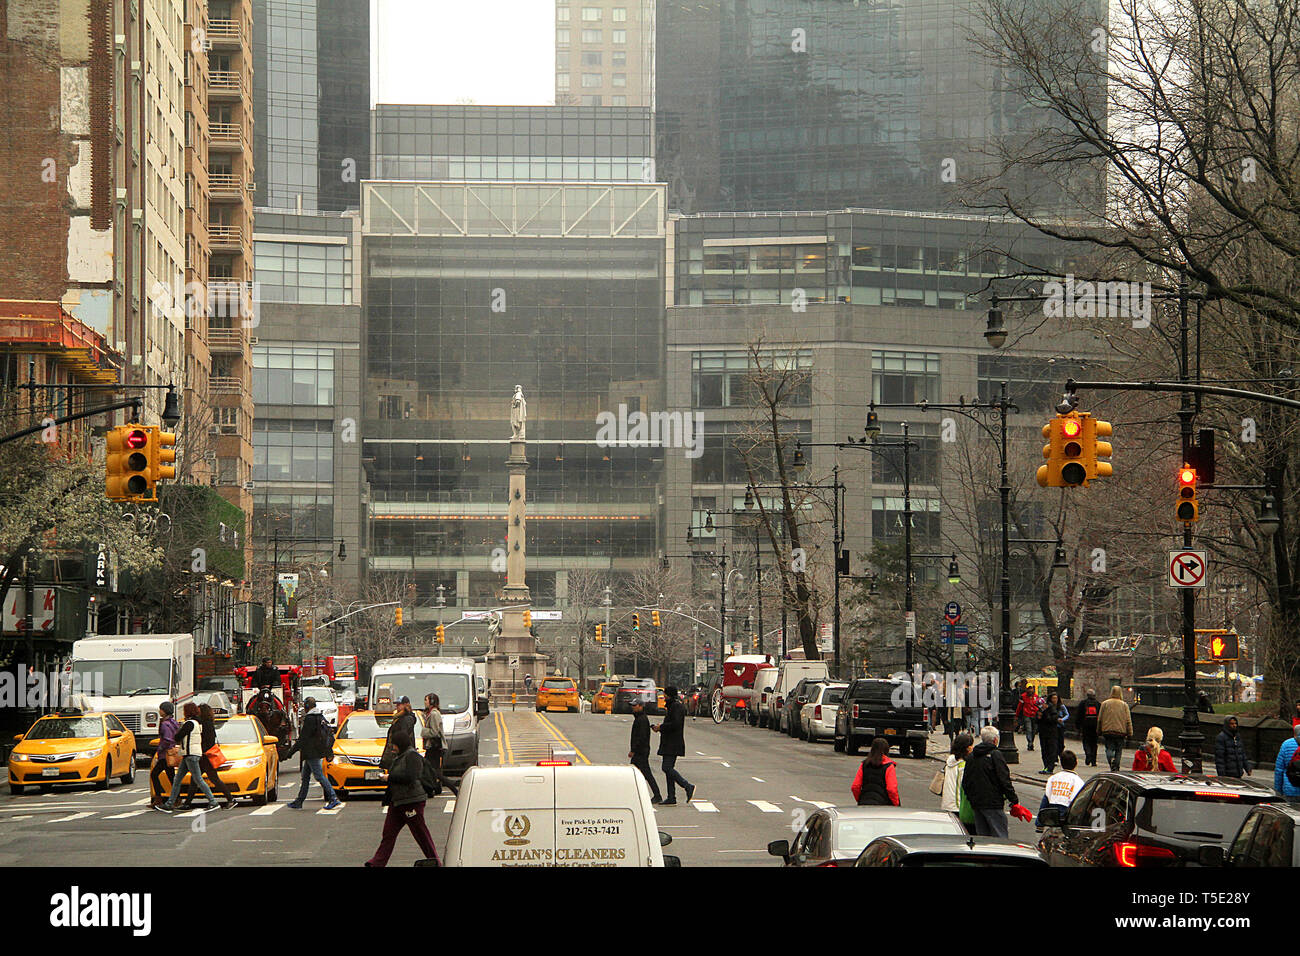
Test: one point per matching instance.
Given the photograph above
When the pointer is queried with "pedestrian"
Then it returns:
(1085, 719)
(315, 745)
(189, 737)
(956, 715)
(403, 720)
(672, 744)
(166, 741)
(987, 785)
(1115, 724)
(1028, 707)
(640, 752)
(208, 738)
(435, 743)
(1063, 785)
(1229, 751)
(1295, 716)
(876, 784)
(1152, 755)
(1051, 730)
(953, 768)
(405, 798)
(1203, 704)
(1286, 774)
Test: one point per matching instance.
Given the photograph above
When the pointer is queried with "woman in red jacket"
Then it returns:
(876, 784)
(1152, 756)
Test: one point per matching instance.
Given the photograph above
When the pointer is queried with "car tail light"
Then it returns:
(1130, 854)
(817, 712)
(855, 711)
(826, 864)
(925, 715)
(1216, 793)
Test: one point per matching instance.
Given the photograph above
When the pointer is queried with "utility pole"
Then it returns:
(609, 639)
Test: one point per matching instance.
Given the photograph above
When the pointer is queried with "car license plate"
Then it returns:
(891, 731)
(374, 775)
(50, 772)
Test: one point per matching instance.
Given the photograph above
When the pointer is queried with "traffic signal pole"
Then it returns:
(1191, 738)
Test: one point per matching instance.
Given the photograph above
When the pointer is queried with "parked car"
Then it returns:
(764, 685)
(1266, 838)
(1132, 818)
(876, 707)
(817, 717)
(799, 695)
(788, 674)
(834, 836)
(948, 850)
(635, 689)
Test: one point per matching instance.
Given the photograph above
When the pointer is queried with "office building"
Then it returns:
(604, 52)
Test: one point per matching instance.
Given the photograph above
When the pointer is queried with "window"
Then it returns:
(562, 14)
(620, 79)
(1092, 797)
(906, 377)
(620, 36)
(619, 58)
(1240, 850)
(562, 37)
(562, 82)
(297, 375)
(617, 100)
(590, 14)
(887, 463)
(722, 379)
(593, 36)
(301, 451)
(620, 15)
(591, 58)
(1031, 382)
(887, 518)
(591, 100)
(590, 79)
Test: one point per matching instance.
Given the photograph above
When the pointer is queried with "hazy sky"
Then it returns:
(494, 52)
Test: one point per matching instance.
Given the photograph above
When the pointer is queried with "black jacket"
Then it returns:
(1081, 718)
(208, 735)
(266, 677)
(1230, 755)
(404, 780)
(640, 746)
(987, 781)
(672, 742)
(312, 740)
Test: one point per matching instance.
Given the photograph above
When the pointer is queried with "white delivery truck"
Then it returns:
(129, 675)
(453, 680)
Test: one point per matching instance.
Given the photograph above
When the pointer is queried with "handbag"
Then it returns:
(936, 783)
(965, 812)
(173, 756)
(215, 757)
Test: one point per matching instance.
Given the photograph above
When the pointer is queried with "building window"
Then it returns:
(293, 375)
(620, 15)
(306, 516)
(620, 36)
(591, 58)
(301, 451)
(1031, 382)
(887, 517)
(617, 100)
(723, 379)
(591, 14)
(562, 82)
(590, 80)
(904, 376)
(562, 14)
(562, 37)
(620, 79)
(593, 36)
(726, 445)
(591, 100)
(887, 463)
(619, 58)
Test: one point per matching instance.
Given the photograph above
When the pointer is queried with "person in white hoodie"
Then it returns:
(1064, 784)
(952, 771)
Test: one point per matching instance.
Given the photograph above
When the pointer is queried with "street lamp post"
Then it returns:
(609, 639)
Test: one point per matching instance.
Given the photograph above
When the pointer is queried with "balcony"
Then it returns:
(225, 34)
(227, 136)
(228, 340)
(227, 186)
(226, 386)
(227, 238)
(225, 84)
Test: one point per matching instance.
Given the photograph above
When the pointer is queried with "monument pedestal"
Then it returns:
(514, 644)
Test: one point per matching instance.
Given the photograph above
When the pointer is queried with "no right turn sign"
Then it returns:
(1187, 569)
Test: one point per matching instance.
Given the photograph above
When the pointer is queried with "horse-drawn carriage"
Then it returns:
(733, 694)
(277, 706)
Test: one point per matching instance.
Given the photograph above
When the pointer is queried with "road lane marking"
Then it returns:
(765, 806)
(699, 753)
(556, 730)
(267, 810)
(70, 817)
(758, 779)
(127, 815)
(449, 807)
(322, 812)
(725, 764)
(819, 804)
(16, 819)
(704, 806)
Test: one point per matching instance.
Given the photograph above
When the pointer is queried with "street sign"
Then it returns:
(961, 634)
(514, 662)
(952, 611)
(945, 633)
(910, 617)
(1187, 569)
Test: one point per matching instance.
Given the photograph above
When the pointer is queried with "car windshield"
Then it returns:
(345, 686)
(452, 688)
(63, 728)
(1194, 817)
(608, 688)
(851, 836)
(367, 727)
(322, 695)
(558, 684)
(122, 678)
(237, 732)
(639, 684)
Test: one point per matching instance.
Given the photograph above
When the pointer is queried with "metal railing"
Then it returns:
(225, 31)
(225, 81)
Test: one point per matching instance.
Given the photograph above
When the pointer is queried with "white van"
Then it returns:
(551, 815)
(764, 682)
(788, 674)
(452, 679)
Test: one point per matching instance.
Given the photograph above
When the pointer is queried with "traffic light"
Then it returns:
(599, 633)
(654, 618)
(1095, 450)
(528, 618)
(126, 466)
(162, 453)
(398, 617)
(1187, 510)
(441, 632)
(1224, 647)
(753, 640)
(306, 629)
(1066, 464)
(636, 622)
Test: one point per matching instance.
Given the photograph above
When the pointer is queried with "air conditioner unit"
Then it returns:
(248, 486)
(214, 429)
(252, 340)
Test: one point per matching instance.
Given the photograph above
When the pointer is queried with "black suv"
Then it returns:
(1131, 818)
(873, 707)
(1266, 838)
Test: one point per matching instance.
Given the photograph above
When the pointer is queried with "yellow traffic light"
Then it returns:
(1098, 450)
(127, 474)
(753, 640)
(528, 618)
(654, 618)
(1187, 510)
(636, 622)
(306, 629)
(398, 617)
(163, 453)
(599, 634)
(1068, 442)
(441, 632)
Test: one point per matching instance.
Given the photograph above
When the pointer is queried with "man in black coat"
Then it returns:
(315, 743)
(640, 752)
(1230, 753)
(403, 722)
(987, 783)
(672, 744)
(1085, 718)
(266, 675)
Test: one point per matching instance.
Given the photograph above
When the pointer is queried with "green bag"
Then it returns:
(965, 812)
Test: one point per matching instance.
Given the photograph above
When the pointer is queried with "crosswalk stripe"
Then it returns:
(70, 817)
(124, 816)
(267, 810)
(322, 812)
(704, 806)
(26, 817)
(821, 804)
(765, 806)
(449, 807)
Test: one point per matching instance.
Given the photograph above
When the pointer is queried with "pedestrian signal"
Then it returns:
(1224, 647)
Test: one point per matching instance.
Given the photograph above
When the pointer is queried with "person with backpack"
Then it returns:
(316, 745)
(208, 738)
(952, 798)
(876, 784)
(1230, 752)
(1115, 724)
(1085, 719)
(405, 797)
(1286, 770)
(435, 744)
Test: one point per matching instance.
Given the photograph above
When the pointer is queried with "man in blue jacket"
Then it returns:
(1281, 783)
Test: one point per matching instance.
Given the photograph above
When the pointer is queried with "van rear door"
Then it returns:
(600, 824)
(524, 834)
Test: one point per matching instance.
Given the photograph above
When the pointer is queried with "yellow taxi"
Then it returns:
(661, 700)
(72, 747)
(602, 702)
(558, 693)
(358, 745)
(252, 767)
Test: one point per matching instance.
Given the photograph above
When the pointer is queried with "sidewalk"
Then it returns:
(1031, 761)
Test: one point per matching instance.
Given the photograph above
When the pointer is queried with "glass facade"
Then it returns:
(1032, 383)
(605, 144)
(722, 379)
(293, 375)
(309, 273)
(293, 450)
(824, 104)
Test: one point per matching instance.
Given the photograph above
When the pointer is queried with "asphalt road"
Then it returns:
(754, 786)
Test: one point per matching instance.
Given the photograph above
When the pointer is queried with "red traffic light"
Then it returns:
(136, 438)
(1187, 476)
(1071, 428)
